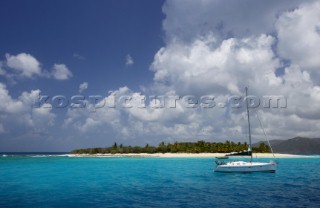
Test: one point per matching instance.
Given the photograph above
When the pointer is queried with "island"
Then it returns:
(176, 147)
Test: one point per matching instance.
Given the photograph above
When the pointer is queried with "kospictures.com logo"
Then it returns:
(159, 101)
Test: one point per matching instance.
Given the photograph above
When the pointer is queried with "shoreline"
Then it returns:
(191, 155)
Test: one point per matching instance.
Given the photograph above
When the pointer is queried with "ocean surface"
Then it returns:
(59, 181)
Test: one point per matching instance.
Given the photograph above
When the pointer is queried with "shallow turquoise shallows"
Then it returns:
(55, 181)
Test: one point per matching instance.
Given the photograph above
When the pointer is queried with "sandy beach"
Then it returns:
(191, 155)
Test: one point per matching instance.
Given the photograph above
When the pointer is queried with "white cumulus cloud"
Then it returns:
(129, 60)
(299, 36)
(25, 64)
(200, 57)
(83, 86)
(61, 72)
(19, 114)
(198, 67)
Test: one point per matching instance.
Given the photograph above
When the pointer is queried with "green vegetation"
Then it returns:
(177, 147)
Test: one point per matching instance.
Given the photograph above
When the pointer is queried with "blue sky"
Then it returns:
(91, 38)
(141, 47)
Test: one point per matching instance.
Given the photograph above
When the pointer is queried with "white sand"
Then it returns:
(189, 155)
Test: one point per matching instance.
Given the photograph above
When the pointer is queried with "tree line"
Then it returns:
(176, 147)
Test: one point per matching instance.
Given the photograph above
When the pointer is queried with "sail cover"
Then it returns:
(241, 153)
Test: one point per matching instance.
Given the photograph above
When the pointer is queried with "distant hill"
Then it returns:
(297, 145)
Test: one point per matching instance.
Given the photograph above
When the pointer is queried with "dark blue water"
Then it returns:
(27, 181)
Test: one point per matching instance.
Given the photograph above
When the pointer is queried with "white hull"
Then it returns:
(240, 166)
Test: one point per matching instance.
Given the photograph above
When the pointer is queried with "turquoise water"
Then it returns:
(54, 181)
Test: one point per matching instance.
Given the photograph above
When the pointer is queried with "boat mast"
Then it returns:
(250, 145)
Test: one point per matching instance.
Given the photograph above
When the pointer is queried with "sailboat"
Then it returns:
(244, 166)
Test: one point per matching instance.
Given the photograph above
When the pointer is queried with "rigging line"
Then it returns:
(264, 132)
